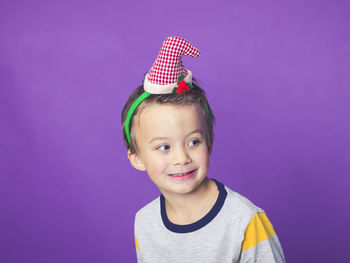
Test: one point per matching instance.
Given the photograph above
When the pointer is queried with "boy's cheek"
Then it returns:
(156, 166)
(202, 153)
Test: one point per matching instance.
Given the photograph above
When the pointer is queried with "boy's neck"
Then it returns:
(189, 208)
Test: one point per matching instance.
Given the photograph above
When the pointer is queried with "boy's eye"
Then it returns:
(193, 142)
(163, 147)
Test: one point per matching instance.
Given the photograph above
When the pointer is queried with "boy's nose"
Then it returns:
(181, 157)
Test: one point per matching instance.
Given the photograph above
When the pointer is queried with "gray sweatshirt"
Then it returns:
(234, 230)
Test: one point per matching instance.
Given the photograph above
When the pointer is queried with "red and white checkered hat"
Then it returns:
(163, 76)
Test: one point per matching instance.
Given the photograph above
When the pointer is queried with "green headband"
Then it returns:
(133, 107)
(137, 102)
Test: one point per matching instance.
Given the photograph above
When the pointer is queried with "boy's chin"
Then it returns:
(184, 187)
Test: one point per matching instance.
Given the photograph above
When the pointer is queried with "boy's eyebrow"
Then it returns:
(162, 138)
(157, 138)
(195, 131)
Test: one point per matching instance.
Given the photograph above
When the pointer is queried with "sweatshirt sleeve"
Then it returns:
(138, 252)
(260, 242)
(136, 235)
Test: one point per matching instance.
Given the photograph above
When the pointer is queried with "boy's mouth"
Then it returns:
(183, 175)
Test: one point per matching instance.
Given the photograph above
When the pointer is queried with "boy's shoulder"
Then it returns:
(241, 203)
(239, 207)
(148, 211)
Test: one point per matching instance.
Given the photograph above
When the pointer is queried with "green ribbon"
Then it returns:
(133, 107)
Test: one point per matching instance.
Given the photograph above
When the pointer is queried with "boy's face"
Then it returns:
(171, 147)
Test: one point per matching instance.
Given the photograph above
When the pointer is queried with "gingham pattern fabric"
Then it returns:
(168, 65)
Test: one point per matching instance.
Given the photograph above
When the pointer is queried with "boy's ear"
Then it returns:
(135, 161)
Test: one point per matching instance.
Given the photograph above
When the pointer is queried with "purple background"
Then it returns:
(276, 74)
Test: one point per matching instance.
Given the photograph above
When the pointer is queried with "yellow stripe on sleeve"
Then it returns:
(259, 229)
(136, 243)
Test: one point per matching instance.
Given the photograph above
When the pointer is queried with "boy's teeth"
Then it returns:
(180, 174)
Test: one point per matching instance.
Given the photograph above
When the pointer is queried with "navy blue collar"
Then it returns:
(201, 222)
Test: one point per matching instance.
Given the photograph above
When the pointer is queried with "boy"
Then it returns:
(168, 130)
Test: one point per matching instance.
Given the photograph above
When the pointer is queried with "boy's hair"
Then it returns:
(195, 96)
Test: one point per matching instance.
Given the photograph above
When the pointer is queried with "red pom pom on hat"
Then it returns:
(182, 84)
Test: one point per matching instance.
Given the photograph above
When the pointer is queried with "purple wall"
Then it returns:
(277, 77)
